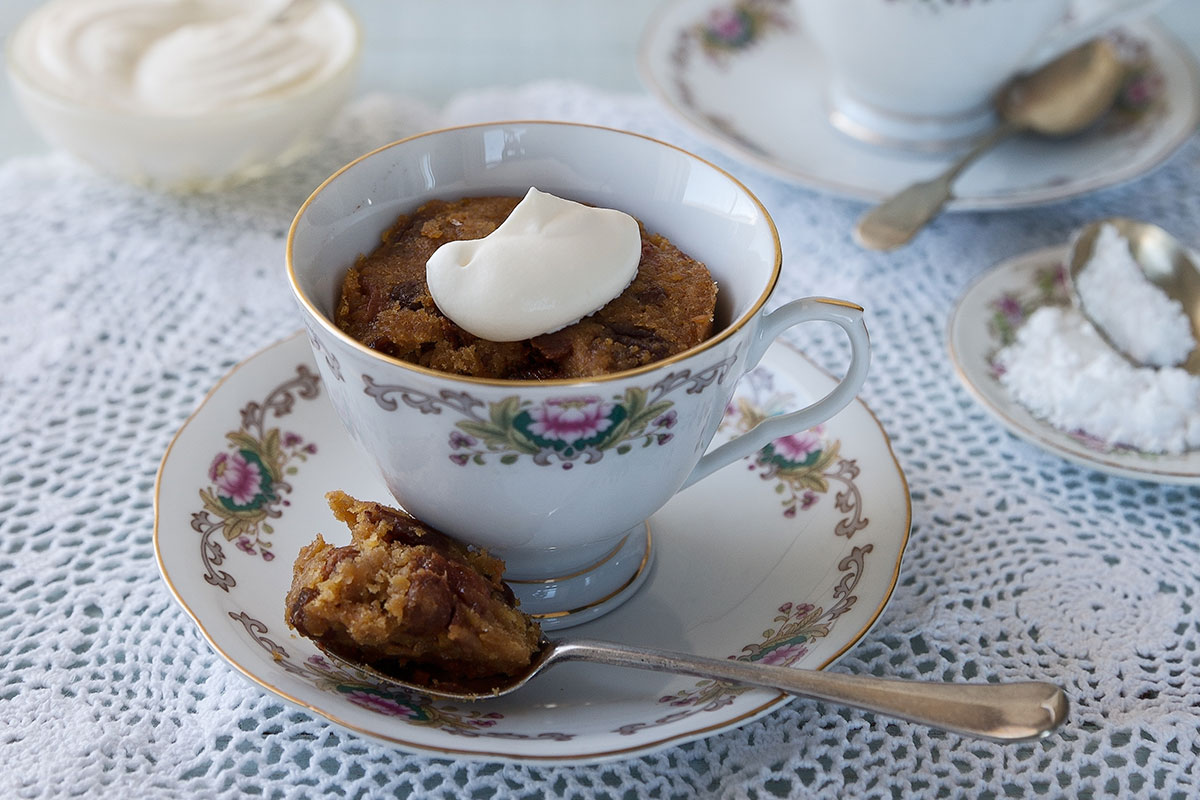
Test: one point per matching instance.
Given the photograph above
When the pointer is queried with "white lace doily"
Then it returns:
(119, 309)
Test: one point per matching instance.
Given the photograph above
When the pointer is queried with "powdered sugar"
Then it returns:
(1061, 370)
(1137, 316)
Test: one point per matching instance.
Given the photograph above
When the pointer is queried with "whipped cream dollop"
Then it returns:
(549, 265)
(181, 57)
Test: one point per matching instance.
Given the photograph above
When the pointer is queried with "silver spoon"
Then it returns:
(1001, 712)
(1164, 261)
(1063, 97)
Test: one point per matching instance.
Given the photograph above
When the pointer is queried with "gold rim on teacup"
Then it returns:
(725, 332)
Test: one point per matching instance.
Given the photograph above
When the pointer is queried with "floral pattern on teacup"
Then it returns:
(563, 430)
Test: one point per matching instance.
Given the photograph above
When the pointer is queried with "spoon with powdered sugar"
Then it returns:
(1139, 287)
(1001, 712)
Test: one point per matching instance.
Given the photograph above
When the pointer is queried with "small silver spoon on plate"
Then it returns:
(1062, 98)
(1001, 712)
(1164, 261)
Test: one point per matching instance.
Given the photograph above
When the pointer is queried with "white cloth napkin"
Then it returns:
(119, 309)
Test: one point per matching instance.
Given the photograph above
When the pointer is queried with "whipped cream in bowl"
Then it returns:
(184, 94)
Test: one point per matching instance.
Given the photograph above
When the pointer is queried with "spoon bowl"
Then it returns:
(1163, 260)
(1001, 712)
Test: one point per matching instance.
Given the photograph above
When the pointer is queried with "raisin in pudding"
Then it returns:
(386, 303)
(403, 597)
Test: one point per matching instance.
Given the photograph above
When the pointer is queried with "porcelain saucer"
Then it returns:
(983, 321)
(787, 558)
(743, 75)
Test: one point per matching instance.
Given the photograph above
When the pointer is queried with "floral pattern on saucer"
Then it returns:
(249, 478)
(796, 627)
(365, 692)
(986, 319)
(1011, 309)
(725, 78)
(800, 611)
(801, 466)
(249, 487)
(728, 29)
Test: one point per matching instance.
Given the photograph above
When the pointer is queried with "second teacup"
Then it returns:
(921, 74)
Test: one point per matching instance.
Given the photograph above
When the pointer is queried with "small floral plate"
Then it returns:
(786, 558)
(986, 319)
(744, 75)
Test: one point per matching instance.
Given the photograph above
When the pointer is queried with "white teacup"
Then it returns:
(921, 74)
(484, 460)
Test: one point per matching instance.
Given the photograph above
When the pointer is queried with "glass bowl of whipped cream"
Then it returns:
(184, 95)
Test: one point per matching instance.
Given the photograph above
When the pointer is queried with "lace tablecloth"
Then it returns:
(119, 309)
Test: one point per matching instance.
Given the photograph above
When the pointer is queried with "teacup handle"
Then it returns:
(1091, 20)
(849, 317)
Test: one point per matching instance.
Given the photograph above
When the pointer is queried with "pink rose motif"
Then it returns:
(727, 25)
(1142, 90)
(568, 421)
(799, 446)
(785, 655)
(382, 705)
(1010, 306)
(237, 479)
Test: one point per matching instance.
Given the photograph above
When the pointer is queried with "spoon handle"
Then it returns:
(897, 219)
(1002, 712)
